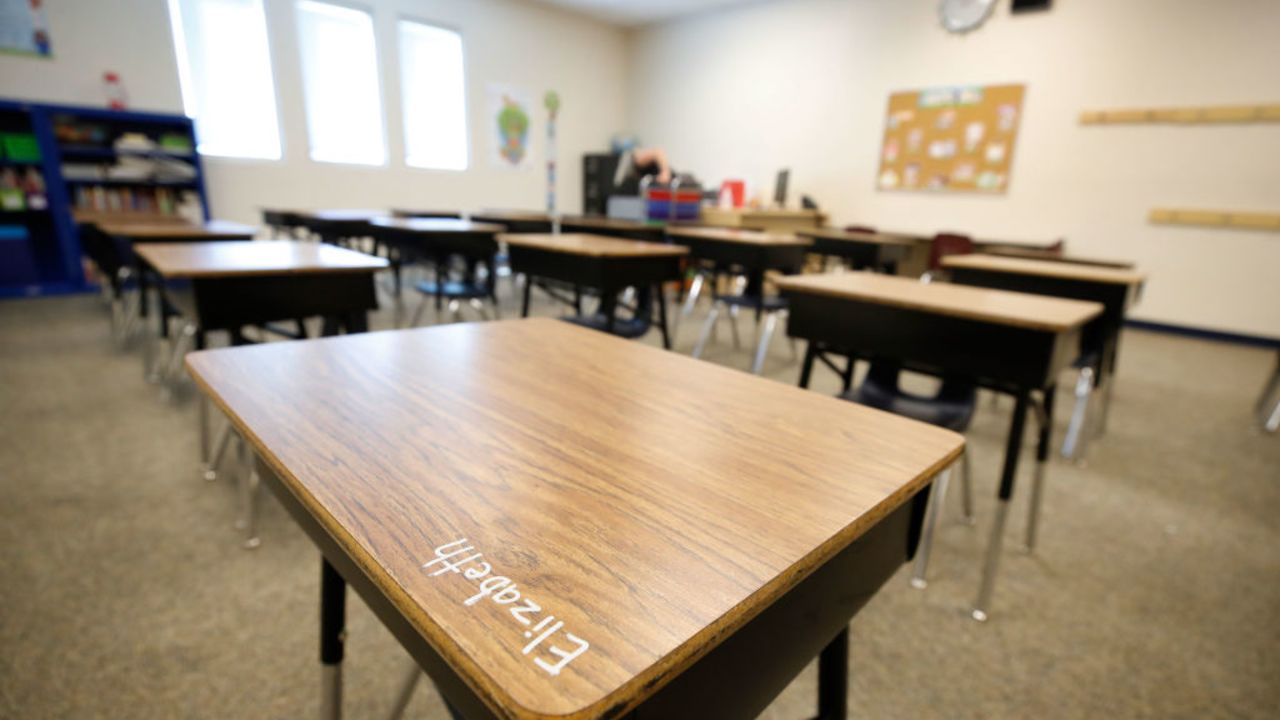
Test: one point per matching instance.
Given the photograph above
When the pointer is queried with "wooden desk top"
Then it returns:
(436, 225)
(246, 259)
(516, 215)
(766, 212)
(592, 245)
(1045, 268)
(1049, 256)
(857, 236)
(485, 496)
(213, 230)
(736, 235)
(610, 223)
(340, 215)
(1002, 307)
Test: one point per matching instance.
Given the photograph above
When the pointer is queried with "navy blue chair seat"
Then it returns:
(951, 408)
(455, 289)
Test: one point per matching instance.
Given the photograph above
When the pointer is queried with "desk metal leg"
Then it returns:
(333, 620)
(202, 415)
(833, 679)
(524, 303)
(806, 368)
(661, 294)
(1042, 462)
(992, 564)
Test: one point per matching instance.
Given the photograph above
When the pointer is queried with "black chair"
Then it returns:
(752, 297)
(951, 407)
(639, 323)
(460, 278)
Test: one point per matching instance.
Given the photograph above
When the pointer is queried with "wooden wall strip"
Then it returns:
(1216, 218)
(1187, 116)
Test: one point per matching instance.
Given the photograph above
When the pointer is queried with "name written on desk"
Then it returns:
(459, 558)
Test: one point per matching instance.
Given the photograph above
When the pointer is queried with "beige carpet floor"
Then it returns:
(1155, 593)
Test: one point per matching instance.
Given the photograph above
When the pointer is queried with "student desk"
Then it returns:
(770, 219)
(516, 221)
(606, 264)
(426, 214)
(556, 537)
(1006, 341)
(133, 234)
(1117, 289)
(338, 226)
(861, 249)
(613, 227)
(1051, 256)
(754, 251)
(438, 239)
(234, 284)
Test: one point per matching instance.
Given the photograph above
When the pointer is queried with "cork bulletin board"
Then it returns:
(952, 139)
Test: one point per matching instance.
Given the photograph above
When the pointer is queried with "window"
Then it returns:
(340, 84)
(433, 93)
(224, 67)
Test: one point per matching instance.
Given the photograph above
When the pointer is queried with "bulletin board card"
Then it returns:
(952, 139)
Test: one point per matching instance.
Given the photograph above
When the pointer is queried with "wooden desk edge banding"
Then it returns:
(219, 259)
(1046, 268)
(1021, 309)
(642, 685)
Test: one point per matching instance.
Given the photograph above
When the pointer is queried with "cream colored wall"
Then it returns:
(803, 84)
(505, 41)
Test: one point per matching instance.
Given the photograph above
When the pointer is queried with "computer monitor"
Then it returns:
(780, 188)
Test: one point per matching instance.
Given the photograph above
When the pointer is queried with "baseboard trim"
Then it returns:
(1204, 334)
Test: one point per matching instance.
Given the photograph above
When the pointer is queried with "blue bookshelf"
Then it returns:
(40, 200)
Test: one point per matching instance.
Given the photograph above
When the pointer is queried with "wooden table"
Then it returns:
(238, 283)
(556, 537)
(769, 219)
(1008, 342)
(437, 239)
(130, 234)
(516, 221)
(862, 250)
(338, 226)
(606, 264)
(613, 227)
(1117, 290)
(1052, 256)
(752, 251)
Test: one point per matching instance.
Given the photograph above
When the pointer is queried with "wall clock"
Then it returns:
(961, 16)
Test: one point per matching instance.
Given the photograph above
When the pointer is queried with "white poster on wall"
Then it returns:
(24, 29)
(510, 119)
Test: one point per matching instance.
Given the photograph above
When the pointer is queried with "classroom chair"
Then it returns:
(637, 325)
(751, 296)
(945, 244)
(460, 278)
(952, 407)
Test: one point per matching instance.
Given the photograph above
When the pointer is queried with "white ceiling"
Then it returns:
(642, 12)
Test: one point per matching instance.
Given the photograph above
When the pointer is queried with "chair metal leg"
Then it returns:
(733, 327)
(690, 301)
(417, 313)
(250, 494)
(1273, 423)
(707, 327)
(406, 691)
(220, 450)
(1268, 391)
(1073, 445)
(932, 513)
(1033, 512)
(1108, 385)
(202, 418)
(966, 488)
(762, 349)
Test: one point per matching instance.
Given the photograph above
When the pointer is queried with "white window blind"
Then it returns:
(434, 97)
(224, 67)
(340, 83)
